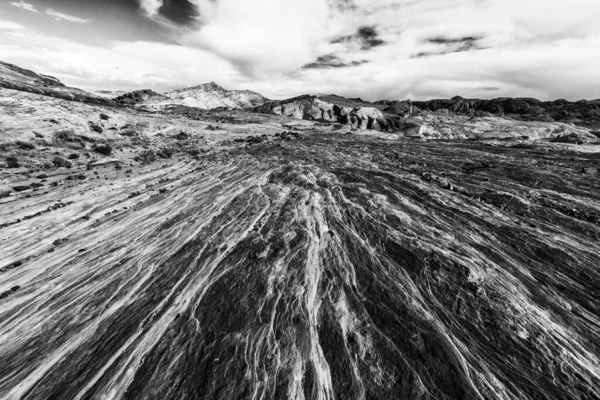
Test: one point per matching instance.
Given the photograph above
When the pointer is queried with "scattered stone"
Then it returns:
(95, 127)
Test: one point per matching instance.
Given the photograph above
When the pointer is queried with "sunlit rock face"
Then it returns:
(328, 267)
(313, 108)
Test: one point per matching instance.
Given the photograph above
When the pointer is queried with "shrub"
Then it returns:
(12, 162)
(104, 117)
(73, 156)
(24, 145)
(103, 148)
(61, 162)
(129, 133)
(165, 152)
(146, 157)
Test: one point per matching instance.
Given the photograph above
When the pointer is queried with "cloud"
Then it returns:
(261, 37)
(24, 6)
(332, 61)
(120, 66)
(446, 45)
(175, 14)
(65, 17)
(10, 26)
(415, 49)
(365, 36)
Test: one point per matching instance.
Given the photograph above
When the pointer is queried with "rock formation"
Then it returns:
(522, 108)
(207, 96)
(315, 108)
(17, 78)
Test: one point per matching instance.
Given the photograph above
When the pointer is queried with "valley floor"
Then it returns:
(325, 267)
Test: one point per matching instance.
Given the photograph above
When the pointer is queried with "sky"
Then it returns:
(372, 49)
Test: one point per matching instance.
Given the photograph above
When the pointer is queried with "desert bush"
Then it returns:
(4, 147)
(61, 162)
(103, 148)
(68, 138)
(42, 143)
(146, 157)
(129, 133)
(4, 193)
(68, 135)
(165, 152)
(23, 145)
(12, 162)
(104, 117)
(73, 156)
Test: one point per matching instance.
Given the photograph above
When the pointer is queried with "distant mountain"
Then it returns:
(17, 78)
(585, 112)
(207, 96)
(140, 97)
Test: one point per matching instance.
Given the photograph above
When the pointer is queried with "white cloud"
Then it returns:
(261, 36)
(24, 6)
(65, 17)
(521, 48)
(10, 26)
(121, 66)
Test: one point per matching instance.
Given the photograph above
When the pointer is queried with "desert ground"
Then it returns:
(235, 255)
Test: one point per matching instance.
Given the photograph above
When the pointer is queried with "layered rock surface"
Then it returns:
(309, 265)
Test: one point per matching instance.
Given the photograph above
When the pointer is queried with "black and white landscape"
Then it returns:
(312, 200)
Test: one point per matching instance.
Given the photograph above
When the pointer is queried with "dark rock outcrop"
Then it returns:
(520, 108)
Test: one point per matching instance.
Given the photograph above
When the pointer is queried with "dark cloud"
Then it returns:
(181, 12)
(450, 45)
(366, 36)
(331, 61)
(450, 41)
(343, 5)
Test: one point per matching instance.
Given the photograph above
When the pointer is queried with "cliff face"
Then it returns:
(313, 108)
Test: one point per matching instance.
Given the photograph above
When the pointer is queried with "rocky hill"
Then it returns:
(355, 113)
(17, 78)
(207, 96)
(140, 97)
(581, 112)
(404, 118)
